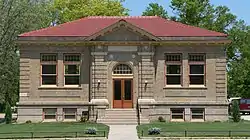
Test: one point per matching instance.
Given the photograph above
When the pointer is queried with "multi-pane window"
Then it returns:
(197, 113)
(69, 113)
(48, 69)
(177, 113)
(173, 69)
(196, 69)
(72, 64)
(122, 69)
(49, 113)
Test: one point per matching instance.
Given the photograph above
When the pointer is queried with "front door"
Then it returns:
(122, 89)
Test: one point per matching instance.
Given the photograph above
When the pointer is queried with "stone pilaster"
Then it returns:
(99, 73)
(146, 73)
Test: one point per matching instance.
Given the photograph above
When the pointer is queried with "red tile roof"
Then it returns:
(155, 25)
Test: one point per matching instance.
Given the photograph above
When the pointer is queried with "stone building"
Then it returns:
(104, 64)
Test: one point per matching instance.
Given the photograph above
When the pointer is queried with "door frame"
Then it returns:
(132, 90)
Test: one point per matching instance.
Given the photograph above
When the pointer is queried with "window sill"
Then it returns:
(65, 87)
(177, 120)
(181, 87)
(197, 120)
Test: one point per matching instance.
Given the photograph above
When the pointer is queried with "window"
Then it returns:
(173, 69)
(196, 69)
(122, 69)
(49, 113)
(48, 69)
(177, 113)
(69, 113)
(197, 113)
(72, 63)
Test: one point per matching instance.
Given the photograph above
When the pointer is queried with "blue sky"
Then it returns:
(241, 8)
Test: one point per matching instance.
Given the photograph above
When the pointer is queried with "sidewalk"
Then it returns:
(122, 132)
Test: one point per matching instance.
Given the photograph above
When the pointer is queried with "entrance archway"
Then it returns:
(122, 86)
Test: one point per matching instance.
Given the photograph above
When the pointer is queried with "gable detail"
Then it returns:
(126, 32)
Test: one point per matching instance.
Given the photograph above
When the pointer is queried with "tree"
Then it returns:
(202, 14)
(8, 113)
(69, 10)
(236, 111)
(239, 60)
(16, 17)
(154, 9)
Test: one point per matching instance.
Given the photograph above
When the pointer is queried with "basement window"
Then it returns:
(198, 113)
(177, 113)
(49, 113)
(70, 113)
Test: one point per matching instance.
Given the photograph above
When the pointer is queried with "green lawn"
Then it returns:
(51, 130)
(213, 129)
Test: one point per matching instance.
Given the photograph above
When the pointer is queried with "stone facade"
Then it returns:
(149, 80)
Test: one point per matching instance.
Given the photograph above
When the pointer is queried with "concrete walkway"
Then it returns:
(122, 132)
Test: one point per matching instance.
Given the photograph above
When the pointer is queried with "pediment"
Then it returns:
(122, 31)
(122, 34)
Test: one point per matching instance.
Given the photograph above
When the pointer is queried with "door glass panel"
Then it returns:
(117, 89)
(127, 90)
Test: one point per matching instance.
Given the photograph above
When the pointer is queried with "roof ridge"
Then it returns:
(115, 17)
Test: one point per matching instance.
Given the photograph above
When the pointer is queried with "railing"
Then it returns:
(31, 135)
(138, 111)
(197, 134)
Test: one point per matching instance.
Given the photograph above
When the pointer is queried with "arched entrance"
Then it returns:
(122, 86)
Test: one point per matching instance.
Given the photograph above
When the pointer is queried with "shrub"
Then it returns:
(8, 113)
(91, 131)
(154, 131)
(235, 111)
(161, 119)
(29, 121)
(83, 119)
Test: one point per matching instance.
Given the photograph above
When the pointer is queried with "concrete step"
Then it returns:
(121, 119)
(111, 122)
(122, 116)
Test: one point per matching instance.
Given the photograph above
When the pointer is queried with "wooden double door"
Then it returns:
(122, 93)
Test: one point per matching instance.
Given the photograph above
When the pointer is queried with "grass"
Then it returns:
(48, 130)
(209, 129)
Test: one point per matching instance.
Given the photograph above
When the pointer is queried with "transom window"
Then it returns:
(72, 63)
(122, 69)
(48, 69)
(196, 69)
(173, 69)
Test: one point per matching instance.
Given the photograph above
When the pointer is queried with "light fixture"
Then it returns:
(146, 82)
(98, 81)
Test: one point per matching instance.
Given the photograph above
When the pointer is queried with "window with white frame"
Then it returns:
(177, 113)
(196, 69)
(173, 69)
(72, 64)
(48, 69)
(197, 113)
